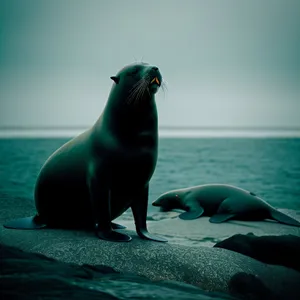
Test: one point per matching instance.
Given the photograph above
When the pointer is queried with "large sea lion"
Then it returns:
(95, 177)
(222, 202)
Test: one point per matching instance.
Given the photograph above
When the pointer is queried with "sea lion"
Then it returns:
(97, 176)
(222, 202)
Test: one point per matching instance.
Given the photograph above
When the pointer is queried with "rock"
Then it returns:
(211, 269)
(26, 275)
(279, 250)
(249, 286)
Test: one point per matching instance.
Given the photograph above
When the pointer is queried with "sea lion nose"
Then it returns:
(155, 68)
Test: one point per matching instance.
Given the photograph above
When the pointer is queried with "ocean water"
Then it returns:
(270, 167)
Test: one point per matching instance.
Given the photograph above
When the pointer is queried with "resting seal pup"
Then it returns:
(97, 176)
(222, 202)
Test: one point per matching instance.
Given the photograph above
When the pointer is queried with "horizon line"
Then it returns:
(163, 127)
(163, 132)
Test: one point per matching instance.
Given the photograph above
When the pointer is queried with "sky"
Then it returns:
(233, 63)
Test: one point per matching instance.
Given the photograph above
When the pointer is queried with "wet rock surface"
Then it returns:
(278, 250)
(211, 269)
(25, 275)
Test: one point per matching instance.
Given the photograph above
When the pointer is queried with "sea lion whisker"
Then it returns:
(164, 85)
(136, 84)
(133, 91)
(164, 88)
(136, 90)
(133, 94)
(142, 89)
(139, 93)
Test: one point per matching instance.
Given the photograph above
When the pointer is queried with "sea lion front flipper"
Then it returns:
(26, 223)
(139, 209)
(283, 218)
(117, 226)
(219, 218)
(144, 234)
(100, 201)
(195, 210)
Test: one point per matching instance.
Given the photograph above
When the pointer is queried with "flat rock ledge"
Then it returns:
(211, 269)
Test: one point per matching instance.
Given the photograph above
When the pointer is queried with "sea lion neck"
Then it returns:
(125, 119)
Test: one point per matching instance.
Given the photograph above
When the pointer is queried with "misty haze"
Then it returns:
(178, 157)
(225, 63)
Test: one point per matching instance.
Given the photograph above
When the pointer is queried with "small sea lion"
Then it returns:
(221, 202)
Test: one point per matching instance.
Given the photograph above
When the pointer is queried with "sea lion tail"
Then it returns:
(34, 222)
(283, 218)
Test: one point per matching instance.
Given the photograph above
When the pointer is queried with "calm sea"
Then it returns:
(270, 167)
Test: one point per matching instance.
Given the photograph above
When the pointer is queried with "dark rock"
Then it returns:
(250, 287)
(26, 275)
(210, 269)
(278, 250)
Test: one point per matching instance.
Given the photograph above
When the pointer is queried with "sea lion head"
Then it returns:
(138, 81)
(168, 201)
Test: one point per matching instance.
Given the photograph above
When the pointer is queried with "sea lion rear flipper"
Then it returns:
(283, 218)
(25, 223)
(100, 196)
(195, 210)
(219, 218)
(224, 212)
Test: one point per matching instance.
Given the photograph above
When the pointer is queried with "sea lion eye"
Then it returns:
(134, 71)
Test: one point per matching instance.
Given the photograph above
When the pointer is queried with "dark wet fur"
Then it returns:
(138, 90)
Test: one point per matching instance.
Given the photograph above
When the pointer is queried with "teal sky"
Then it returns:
(226, 63)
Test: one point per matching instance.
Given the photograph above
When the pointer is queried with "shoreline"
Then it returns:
(6, 133)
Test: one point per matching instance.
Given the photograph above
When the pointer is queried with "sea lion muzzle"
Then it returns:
(154, 85)
(155, 80)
